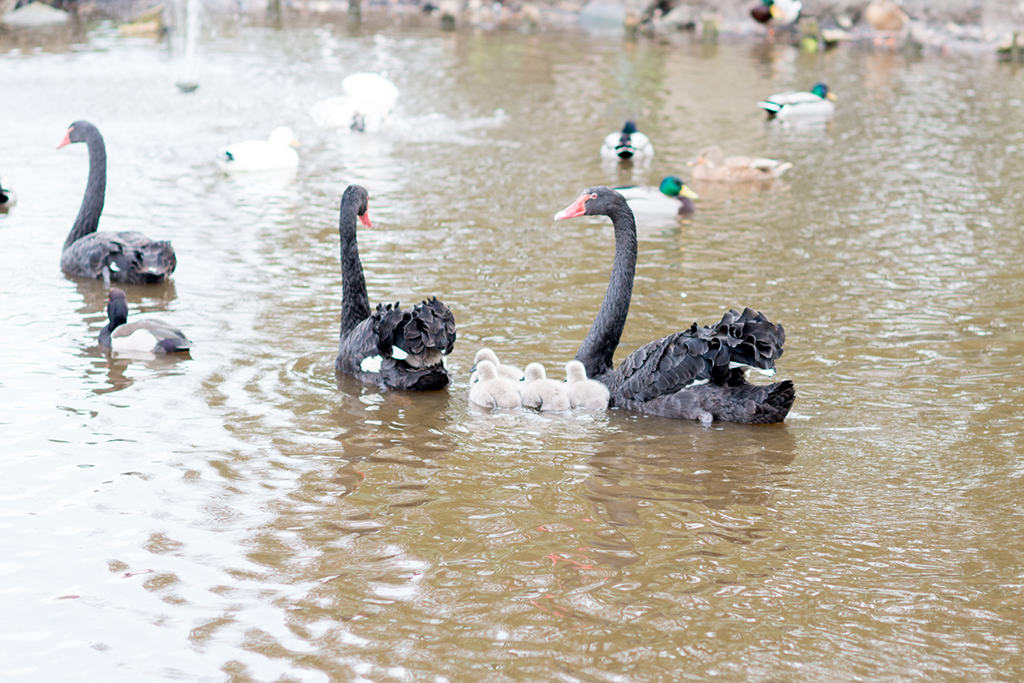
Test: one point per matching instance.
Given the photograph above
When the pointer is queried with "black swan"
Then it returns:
(128, 257)
(697, 373)
(392, 348)
(151, 335)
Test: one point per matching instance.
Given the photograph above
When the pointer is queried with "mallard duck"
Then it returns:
(628, 144)
(885, 15)
(779, 12)
(816, 105)
(671, 198)
(274, 153)
(712, 165)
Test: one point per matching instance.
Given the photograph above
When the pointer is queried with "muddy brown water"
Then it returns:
(243, 516)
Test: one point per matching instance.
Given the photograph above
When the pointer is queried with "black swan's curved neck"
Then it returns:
(92, 203)
(355, 303)
(598, 348)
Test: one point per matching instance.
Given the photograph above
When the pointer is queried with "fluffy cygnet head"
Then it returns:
(487, 370)
(486, 354)
(535, 371)
(575, 372)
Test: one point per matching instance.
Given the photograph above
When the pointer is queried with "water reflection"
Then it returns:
(120, 370)
(625, 172)
(153, 298)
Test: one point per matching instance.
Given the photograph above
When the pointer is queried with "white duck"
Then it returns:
(815, 106)
(629, 144)
(583, 392)
(366, 104)
(274, 153)
(494, 391)
(543, 393)
(504, 369)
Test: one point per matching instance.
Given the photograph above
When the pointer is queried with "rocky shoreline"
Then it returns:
(946, 25)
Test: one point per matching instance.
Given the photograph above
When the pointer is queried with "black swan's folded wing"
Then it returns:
(716, 354)
(130, 256)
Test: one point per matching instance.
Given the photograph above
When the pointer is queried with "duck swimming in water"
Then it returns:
(816, 106)
(671, 198)
(147, 335)
(276, 153)
(711, 165)
(627, 144)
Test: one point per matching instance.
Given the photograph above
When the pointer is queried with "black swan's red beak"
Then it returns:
(577, 208)
(365, 220)
(67, 138)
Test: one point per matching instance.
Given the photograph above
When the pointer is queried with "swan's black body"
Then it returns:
(696, 374)
(128, 257)
(392, 348)
(164, 338)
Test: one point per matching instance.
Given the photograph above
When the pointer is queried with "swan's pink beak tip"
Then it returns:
(577, 208)
(66, 140)
(365, 220)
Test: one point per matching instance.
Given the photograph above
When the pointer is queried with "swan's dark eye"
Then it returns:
(593, 195)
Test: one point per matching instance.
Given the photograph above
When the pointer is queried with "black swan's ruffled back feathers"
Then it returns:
(128, 257)
(419, 330)
(423, 333)
(719, 354)
(398, 349)
(703, 370)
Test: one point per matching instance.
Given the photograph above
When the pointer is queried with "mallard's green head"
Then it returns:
(673, 186)
(822, 91)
